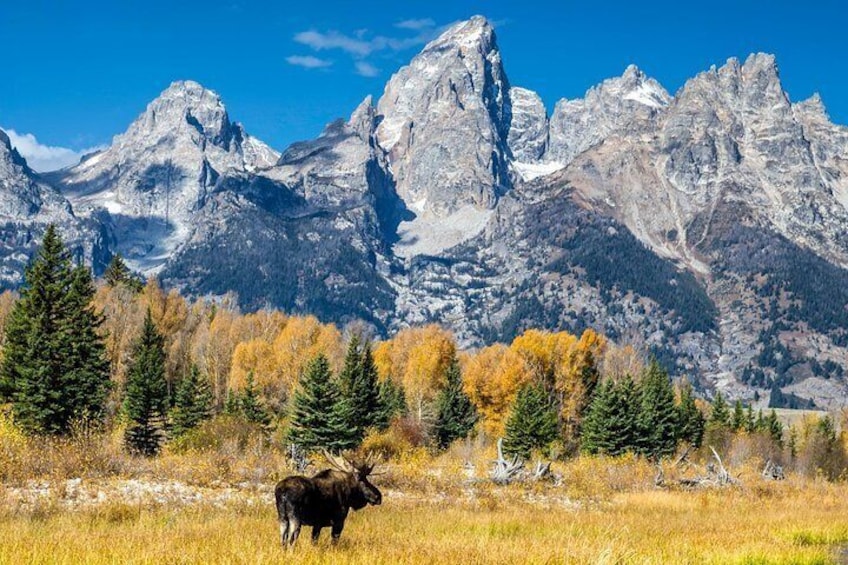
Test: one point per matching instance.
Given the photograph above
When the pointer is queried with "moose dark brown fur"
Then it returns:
(324, 499)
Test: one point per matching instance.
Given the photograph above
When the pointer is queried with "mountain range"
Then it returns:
(709, 226)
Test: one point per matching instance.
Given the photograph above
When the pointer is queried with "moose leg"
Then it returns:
(284, 530)
(294, 529)
(338, 526)
(316, 531)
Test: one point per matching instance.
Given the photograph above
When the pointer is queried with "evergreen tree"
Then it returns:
(774, 428)
(250, 405)
(611, 424)
(146, 398)
(192, 403)
(392, 402)
(719, 414)
(456, 415)
(54, 367)
(319, 414)
(737, 422)
(753, 424)
(690, 420)
(658, 415)
(532, 423)
(118, 274)
(359, 387)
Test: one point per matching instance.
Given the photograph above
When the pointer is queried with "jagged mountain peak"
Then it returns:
(813, 107)
(444, 120)
(475, 32)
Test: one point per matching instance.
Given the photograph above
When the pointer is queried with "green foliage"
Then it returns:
(392, 402)
(250, 405)
(720, 413)
(737, 421)
(690, 420)
(772, 426)
(319, 415)
(54, 367)
(611, 423)
(146, 397)
(658, 416)
(455, 415)
(359, 388)
(118, 274)
(192, 403)
(532, 423)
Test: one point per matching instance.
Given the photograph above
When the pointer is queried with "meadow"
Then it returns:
(599, 510)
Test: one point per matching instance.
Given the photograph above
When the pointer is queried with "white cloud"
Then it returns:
(335, 40)
(416, 24)
(366, 69)
(44, 158)
(308, 61)
(359, 46)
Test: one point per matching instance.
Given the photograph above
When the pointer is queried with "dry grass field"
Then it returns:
(793, 521)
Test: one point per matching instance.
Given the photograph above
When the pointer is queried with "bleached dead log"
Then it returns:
(505, 470)
(716, 475)
(773, 472)
(541, 471)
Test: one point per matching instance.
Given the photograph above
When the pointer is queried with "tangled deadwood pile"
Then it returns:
(506, 471)
(716, 475)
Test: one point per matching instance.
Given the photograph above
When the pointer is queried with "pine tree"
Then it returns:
(532, 423)
(318, 414)
(774, 428)
(611, 424)
(737, 422)
(250, 405)
(359, 388)
(118, 274)
(87, 375)
(54, 368)
(690, 422)
(719, 414)
(392, 402)
(658, 415)
(456, 415)
(146, 397)
(192, 403)
(753, 424)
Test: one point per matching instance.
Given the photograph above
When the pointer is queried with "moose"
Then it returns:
(324, 499)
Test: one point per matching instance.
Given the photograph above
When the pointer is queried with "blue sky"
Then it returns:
(74, 74)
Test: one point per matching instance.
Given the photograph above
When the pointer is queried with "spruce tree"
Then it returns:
(737, 421)
(146, 397)
(250, 405)
(318, 414)
(392, 402)
(54, 368)
(719, 414)
(774, 428)
(611, 425)
(118, 274)
(658, 415)
(690, 422)
(192, 403)
(753, 424)
(359, 387)
(456, 415)
(532, 423)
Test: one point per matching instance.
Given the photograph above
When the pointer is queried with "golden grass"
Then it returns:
(786, 523)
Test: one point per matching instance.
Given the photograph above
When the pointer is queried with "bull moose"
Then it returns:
(324, 499)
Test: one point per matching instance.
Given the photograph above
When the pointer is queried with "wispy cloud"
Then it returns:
(360, 45)
(366, 69)
(43, 158)
(308, 61)
(422, 23)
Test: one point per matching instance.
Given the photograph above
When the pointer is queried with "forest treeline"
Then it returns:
(123, 353)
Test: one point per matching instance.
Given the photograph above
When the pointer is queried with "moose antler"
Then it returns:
(338, 462)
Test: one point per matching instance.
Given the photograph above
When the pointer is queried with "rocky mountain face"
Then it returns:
(709, 227)
(154, 178)
(27, 207)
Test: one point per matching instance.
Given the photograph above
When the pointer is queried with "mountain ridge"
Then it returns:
(709, 226)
